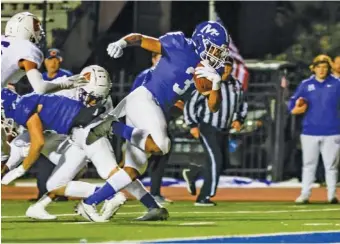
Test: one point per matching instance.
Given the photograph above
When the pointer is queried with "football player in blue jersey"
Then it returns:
(147, 106)
(61, 114)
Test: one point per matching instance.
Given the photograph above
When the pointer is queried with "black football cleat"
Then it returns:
(205, 203)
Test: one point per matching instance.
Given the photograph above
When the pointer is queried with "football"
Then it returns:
(203, 85)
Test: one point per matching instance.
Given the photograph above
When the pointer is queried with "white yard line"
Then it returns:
(211, 212)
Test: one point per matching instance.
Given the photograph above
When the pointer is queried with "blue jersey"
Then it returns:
(60, 73)
(140, 79)
(322, 117)
(57, 112)
(172, 78)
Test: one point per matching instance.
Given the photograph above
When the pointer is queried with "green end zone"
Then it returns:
(186, 221)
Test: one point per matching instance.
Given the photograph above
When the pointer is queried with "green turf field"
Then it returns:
(228, 218)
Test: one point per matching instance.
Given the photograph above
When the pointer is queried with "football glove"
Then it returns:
(209, 73)
(115, 49)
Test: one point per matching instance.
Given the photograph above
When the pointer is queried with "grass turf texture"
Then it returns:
(228, 218)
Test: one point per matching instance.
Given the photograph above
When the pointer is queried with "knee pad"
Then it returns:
(164, 145)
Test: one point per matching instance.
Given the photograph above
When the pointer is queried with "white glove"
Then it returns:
(115, 49)
(72, 81)
(12, 175)
(209, 73)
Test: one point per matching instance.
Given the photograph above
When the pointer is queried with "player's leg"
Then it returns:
(59, 184)
(135, 164)
(101, 154)
(310, 157)
(148, 130)
(330, 151)
(141, 112)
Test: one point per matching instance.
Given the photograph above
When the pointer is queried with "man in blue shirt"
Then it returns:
(318, 98)
(52, 63)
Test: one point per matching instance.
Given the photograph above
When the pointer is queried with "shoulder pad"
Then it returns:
(29, 51)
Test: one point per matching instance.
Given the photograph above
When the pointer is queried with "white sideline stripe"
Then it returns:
(227, 236)
(24, 216)
(197, 212)
(318, 224)
(78, 223)
(197, 223)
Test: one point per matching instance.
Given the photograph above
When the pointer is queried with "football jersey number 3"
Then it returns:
(187, 83)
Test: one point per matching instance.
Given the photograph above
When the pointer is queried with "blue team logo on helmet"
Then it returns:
(211, 41)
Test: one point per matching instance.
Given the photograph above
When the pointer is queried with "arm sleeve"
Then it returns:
(190, 115)
(39, 85)
(298, 93)
(172, 40)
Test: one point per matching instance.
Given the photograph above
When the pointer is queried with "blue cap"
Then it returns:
(53, 53)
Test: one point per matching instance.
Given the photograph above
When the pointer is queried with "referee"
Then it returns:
(212, 130)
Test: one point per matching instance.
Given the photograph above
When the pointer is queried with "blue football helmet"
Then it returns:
(211, 40)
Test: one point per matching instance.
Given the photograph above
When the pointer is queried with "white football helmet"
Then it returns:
(98, 87)
(25, 26)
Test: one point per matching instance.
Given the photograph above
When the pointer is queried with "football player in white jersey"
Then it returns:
(21, 56)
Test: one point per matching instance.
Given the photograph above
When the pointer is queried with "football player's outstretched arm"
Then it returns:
(37, 81)
(149, 43)
(35, 130)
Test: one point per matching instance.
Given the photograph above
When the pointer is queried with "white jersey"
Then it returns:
(12, 51)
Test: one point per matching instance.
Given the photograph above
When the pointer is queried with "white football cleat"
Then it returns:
(37, 211)
(302, 200)
(89, 212)
(111, 206)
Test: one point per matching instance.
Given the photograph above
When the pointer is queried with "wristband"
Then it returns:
(216, 86)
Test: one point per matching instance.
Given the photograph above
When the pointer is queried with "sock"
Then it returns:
(137, 189)
(148, 201)
(114, 184)
(136, 136)
(100, 195)
(79, 189)
(44, 201)
(122, 130)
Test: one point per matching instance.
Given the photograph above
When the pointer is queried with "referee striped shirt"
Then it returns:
(233, 107)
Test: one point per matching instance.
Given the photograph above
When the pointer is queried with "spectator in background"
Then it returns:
(336, 67)
(52, 63)
(212, 130)
(318, 98)
(157, 163)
